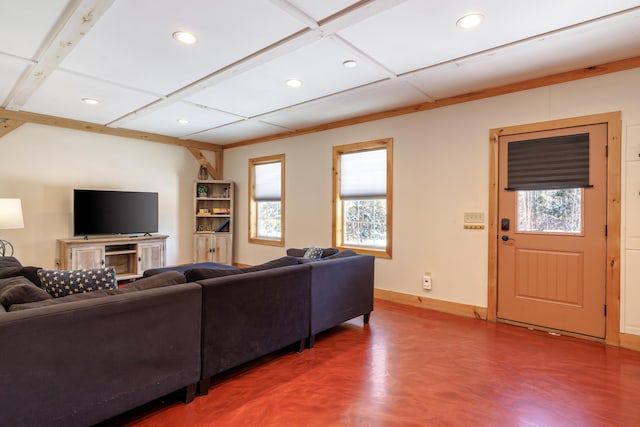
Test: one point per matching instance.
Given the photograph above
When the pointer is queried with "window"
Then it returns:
(362, 185)
(266, 200)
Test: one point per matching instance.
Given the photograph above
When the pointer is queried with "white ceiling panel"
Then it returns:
(61, 95)
(25, 25)
(165, 120)
(263, 88)
(365, 100)
(230, 85)
(420, 33)
(320, 10)
(11, 68)
(239, 131)
(579, 47)
(132, 43)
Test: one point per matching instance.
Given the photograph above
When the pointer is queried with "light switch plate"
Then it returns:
(474, 217)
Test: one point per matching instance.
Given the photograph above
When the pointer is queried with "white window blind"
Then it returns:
(268, 182)
(363, 175)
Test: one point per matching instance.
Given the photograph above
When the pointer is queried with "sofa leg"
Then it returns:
(203, 386)
(189, 393)
(301, 345)
(366, 318)
(312, 340)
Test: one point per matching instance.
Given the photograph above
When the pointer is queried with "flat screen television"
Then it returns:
(99, 212)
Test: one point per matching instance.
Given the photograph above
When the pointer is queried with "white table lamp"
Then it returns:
(10, 217)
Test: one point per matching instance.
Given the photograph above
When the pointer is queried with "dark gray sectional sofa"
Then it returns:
(96, 356)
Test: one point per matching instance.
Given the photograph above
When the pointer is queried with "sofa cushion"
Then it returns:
(157, 281)
(60, 283)
(342, 254)
(313, 252)
(20, 290)
(196, 274)
(10, 267)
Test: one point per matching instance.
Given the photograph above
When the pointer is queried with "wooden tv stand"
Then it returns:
(130, 256)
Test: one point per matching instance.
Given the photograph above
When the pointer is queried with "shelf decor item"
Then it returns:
(202, 190)
(203, 172)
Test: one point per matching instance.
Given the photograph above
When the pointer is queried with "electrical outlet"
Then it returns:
(426, 281)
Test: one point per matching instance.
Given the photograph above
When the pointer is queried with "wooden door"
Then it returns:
(222, 248)
(202, 247)
(554, 278)
(86, 257)
(150, 255)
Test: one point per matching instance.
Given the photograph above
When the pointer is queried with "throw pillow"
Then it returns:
(9, 267)
(20, 290)
(313, 252)
(60, 283)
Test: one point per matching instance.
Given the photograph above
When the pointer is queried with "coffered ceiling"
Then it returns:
(229, 86)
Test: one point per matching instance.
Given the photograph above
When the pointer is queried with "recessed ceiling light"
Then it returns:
(90, 101)
(294, 82)
(350, 64)
(183, 121)
(470, 21)
(184, 37)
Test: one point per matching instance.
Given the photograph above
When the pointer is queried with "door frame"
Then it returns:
(612, 285)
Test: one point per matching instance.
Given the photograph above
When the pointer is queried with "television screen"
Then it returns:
(114, 212)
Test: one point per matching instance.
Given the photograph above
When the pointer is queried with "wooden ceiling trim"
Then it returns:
(46, 120)
(598, 70)
(7, 125)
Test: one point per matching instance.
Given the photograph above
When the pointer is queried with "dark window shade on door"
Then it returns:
(549, 163)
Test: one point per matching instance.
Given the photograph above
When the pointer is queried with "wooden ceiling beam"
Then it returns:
(7, 125)
(46, 120)
(214, 171)
(75, 22)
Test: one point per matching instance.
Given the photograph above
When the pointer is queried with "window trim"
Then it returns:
(253, 210)
(337, 213)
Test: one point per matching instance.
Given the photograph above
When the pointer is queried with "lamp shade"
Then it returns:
(11, 214)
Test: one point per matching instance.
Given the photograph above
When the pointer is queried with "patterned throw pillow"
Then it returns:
(313, 252)
(60, 283)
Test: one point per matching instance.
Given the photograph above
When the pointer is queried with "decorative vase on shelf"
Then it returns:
(203, 172)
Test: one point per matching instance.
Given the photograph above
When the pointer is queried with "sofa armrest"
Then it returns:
(341, 289)
(85, 361)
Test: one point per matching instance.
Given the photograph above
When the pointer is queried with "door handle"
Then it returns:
(506, 238)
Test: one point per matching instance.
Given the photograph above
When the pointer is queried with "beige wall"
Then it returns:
(42, 165)
(441, 169)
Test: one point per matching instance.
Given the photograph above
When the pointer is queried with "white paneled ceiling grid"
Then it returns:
(230, 85)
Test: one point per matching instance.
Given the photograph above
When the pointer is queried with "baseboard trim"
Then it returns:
(630, 341)
(432, 304)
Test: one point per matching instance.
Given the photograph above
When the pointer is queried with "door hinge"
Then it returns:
(606, 150)
(606, 230)
(605, 310)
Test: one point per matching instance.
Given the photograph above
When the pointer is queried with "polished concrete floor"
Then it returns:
(414, 367)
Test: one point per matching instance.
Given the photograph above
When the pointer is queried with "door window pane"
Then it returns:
(551, 211)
